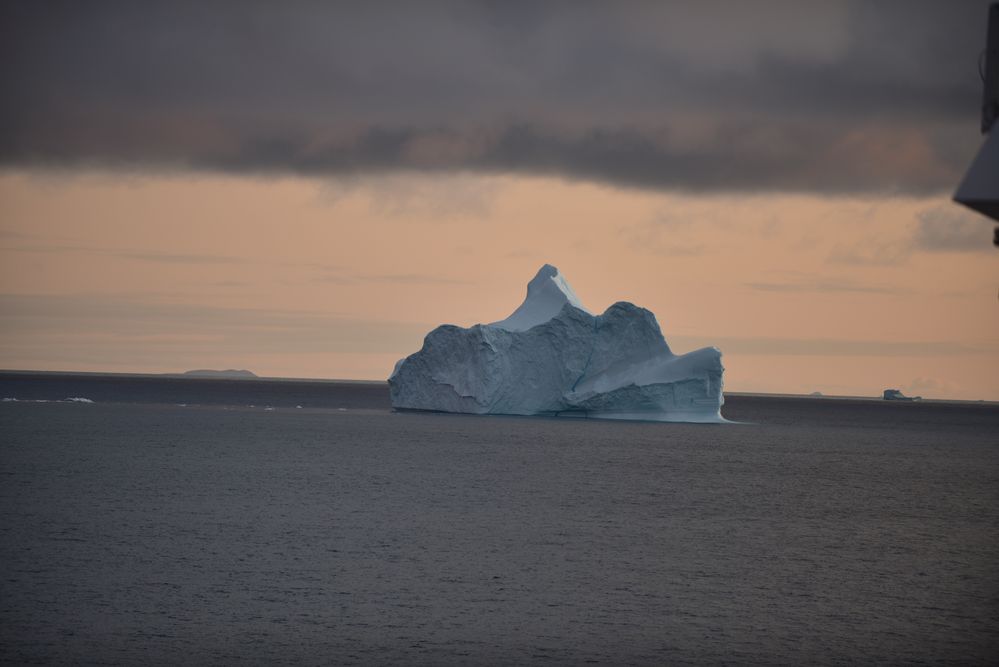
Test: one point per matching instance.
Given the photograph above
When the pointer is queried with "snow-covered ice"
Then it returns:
(551, 356)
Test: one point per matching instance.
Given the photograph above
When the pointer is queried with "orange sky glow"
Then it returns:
(339, 278)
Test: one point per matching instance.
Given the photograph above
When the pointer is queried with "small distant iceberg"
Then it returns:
(78, 399)
(228, 373)
(553, 357)
(896, 395)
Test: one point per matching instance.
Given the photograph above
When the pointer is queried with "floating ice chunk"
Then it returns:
(78, 399)
(553, 357)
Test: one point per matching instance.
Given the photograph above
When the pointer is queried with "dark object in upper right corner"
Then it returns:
(989, 70)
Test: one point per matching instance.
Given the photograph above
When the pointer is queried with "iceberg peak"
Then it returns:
(547, 294)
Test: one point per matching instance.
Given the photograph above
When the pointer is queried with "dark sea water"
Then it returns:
(134, 530)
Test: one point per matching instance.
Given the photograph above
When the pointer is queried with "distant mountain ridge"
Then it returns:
(228, 373)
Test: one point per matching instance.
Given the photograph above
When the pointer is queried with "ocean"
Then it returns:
(205, 521)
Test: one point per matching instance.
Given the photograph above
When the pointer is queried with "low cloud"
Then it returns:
(949, 228)
(930, 387)
(336, 276)
(418, 195)
(940, 228)
(144, 327)
(650, 240)
(824, 286)
(826, 347)
(872, 253)
(135, 255)
(177, 258)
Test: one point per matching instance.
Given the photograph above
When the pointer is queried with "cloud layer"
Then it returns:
(838, 97)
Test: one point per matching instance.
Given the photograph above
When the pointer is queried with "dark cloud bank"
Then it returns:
(828, 97)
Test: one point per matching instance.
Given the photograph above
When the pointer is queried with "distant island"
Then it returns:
(228, 373)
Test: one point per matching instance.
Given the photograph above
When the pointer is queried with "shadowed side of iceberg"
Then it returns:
(633, 374)
(488, 370)
(679, 388)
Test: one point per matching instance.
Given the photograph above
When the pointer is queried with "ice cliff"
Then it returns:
(553, 357)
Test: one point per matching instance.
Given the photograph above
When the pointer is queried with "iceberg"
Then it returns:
(896, 395)
(553, 357)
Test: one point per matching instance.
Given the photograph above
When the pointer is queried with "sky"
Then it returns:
(305, 189)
